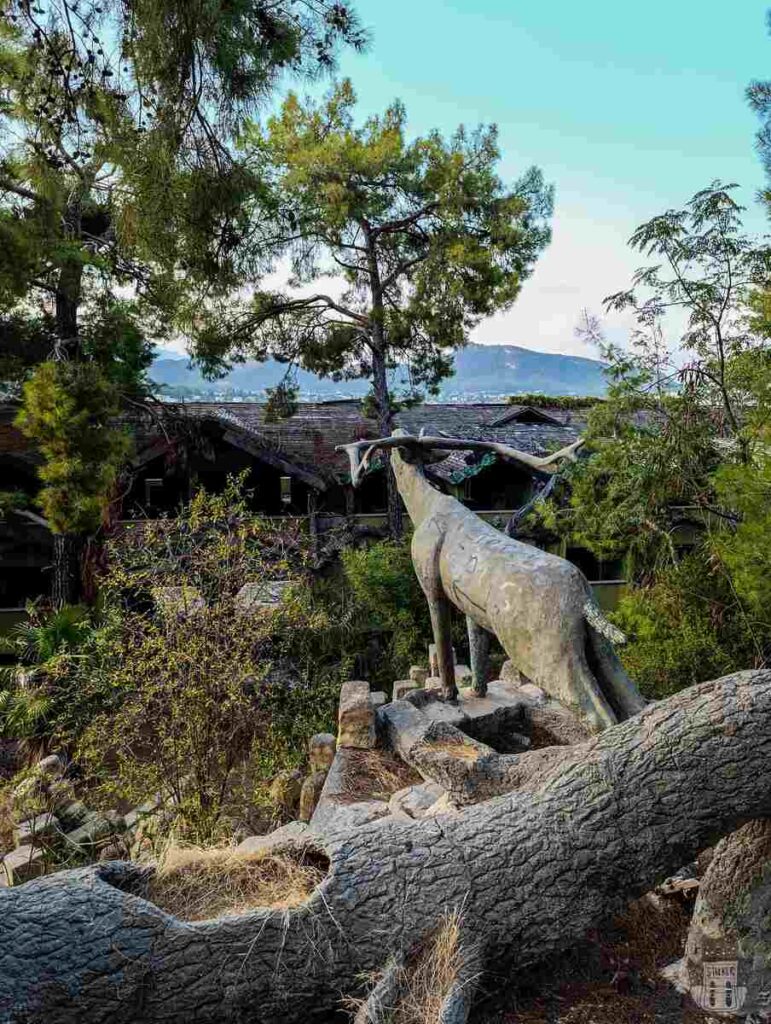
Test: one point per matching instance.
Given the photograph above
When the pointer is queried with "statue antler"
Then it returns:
(546, 464)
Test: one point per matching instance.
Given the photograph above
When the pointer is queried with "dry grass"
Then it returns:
(197, 884)
(430, 975)
(376, 775)
(464, 751)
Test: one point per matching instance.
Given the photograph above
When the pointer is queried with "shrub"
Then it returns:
(684, 628)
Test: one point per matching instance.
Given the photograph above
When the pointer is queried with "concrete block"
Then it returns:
(402, 687)
(356, 716)
(20, 865)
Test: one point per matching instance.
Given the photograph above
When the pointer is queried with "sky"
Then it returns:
(627, 108)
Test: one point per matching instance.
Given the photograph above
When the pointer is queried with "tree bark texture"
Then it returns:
(67, 576)
(531, 872)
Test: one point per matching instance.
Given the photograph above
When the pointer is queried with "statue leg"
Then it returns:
(441, 624)
(479, 649)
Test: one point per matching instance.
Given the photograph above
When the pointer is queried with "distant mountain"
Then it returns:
(481, 372)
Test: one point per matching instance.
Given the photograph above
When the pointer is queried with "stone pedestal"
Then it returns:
(356, 716)
(321, 750)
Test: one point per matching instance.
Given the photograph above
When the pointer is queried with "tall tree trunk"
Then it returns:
(378, 346)
(531, 871)
(67, 576)
(385, 423)
(67, 581)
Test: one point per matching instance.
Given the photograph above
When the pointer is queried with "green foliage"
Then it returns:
(46, 696)
(119, 175)
(388, 597)
(538, 400)
(211, 700)
(68, 411)
(685, 627)
(425, 233)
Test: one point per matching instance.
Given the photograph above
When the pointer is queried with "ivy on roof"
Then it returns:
(541, 401)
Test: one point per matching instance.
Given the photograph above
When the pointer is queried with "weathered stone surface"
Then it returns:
(533, 870)
(20, 865)
(510, 673)
(265, 594)
(534, 692)
(418, 674)
(539, 606)
(378, 698)
(73, 815)
(432, 683)
(178, 602)
(281, 838)
(356, 716)
(285, 789)
(337, 809)
(321, 751)
(51, 765)
(310, 793)
(414, 801)
(334, 817)
(402, 687)
(726, 967)
(94, 828)
(36, 830)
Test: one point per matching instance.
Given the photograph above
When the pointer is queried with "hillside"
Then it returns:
(481, 372)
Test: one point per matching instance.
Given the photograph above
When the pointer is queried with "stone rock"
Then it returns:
(462, 675)
(285, 789)
(288, 835)
(418, 674)
(414, 801)
(321, 751)
(356, 716)
(433, 661)
(73, 815)
(443, 805)
(310, 793)
(534, 692)
(178, 602)
(510, 673)
(115, 851)
(378, 698)
(265, 594)
(335, 816)
(20, 865)
(35, 830)
(51, 765)
(433, 683)
(402, 687)
(94, 828)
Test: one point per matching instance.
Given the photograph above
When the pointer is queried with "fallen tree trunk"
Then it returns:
(532, 871)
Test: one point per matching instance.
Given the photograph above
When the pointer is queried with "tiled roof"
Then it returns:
(309, 437)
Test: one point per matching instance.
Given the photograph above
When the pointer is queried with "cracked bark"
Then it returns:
(533, 870)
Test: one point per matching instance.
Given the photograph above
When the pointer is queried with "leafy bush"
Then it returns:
(387, 598)
(685, 627)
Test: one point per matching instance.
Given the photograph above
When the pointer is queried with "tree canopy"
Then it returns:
(123, 199)
(424, 235)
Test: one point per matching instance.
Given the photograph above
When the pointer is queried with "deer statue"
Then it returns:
(539, 606)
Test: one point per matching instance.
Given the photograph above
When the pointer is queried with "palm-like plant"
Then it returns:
(44, 647)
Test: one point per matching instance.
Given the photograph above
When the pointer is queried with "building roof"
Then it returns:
(307, 440)
(304, 445)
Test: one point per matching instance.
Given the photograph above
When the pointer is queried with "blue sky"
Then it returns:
(627, 108)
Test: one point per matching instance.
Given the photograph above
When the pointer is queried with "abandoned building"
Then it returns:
(292, 469)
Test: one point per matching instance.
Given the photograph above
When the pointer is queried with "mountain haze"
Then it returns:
(481, 372)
